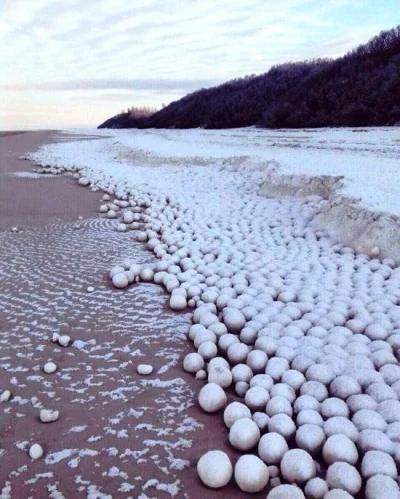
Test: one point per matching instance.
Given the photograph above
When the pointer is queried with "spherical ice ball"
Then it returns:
(282, 424)
(251, 474)
(310, 438)
(120, 280)
(297, 466)
(286, 492)
(272, 447)
(215, 469)
(244, 434)
(208, 350)
(234, 412)
(193, 362)
(177, 302)
(316, 488)
(377, 462)
(339, 448)
(256, 398)
(35, 451)
(50, 368)
(343, 476)
(144, 369)
(381, 487)
(234, 320)
(220, 375)
(212, 398)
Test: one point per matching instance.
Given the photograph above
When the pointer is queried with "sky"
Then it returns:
(75, 63)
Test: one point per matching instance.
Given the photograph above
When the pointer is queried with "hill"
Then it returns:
(361, 88)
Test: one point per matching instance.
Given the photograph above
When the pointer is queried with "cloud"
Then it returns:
(156, 49)
(110, 84)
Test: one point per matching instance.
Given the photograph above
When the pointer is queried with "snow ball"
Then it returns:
(282, 424)
(212, 398)
(279, 405)
(256, 398)
(90, 289)
(237, 353)
(339, 425)
(234, 320)
(390, 373)
(225, 341)
(376, 332)
(306, 402)
(241, 388)
(272, 447)
(261, 419)
(334, 406)
(235, 411)
(344, 386)
(380, 392)
(55, 337)
(273, 471)
(339, 448)
(48, 416)
(308, 416)
(314, 389)
(122, 228)
(338, 494)
(390, 410)
(201, 374)
(193, 362)
(343, 476)
(35, 451)
(283, 390)
(50, 368)
(320, 372)
(244, 434)
(316, 488)
(301, 363)
(381, 487)
(120, 280)
(203, 336)
(257, 360)
(208, 350)
(64, 340)
(215, 469)
(5, 396)
(218, 361)
(220, 375)
(297, 466)
(286, 492)
(376, 462)
(368, 420)
(310, 438)
(83, 181)
(374, 440)
(262, 380)
(144, 369)
(293, 378)
(251, 474)
(276, 367)
(111, 214)
(358, 402)
(147, 275)
(242, 372)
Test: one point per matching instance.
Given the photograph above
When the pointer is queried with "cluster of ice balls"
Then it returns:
(305, 331)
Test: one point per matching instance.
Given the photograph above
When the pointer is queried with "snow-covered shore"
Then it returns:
(265, 275)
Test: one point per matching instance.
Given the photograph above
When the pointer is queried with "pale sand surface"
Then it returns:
(118, 434)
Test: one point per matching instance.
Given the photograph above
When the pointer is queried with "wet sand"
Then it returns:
(119, 434)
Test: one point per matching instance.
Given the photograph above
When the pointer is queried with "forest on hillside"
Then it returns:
(361, 88)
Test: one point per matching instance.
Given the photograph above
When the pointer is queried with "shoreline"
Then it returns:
(47, 242)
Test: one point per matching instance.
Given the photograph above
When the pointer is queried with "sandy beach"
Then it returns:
(118, 434)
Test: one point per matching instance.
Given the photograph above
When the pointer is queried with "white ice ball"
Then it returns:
(251, 474)
(144, 369)
(212, 398)
(343, 476)
(50, 368)
(120, 280)
(297, 466)
(193, 362)
(340, 448)
(177, 302)
(220, 375)
(35, 451)
(64, 340)
(244, 434)
(286, 492)
(316, 488)
(234, 320)
(234, 412)
(272, 447)
(48, 416)
(378, 463)
(215, 469)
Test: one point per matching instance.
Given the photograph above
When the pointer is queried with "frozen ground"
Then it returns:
(306, 331)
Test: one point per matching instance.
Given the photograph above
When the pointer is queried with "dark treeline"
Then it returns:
(360, 89)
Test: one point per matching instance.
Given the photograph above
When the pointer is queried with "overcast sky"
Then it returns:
(66, 63)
